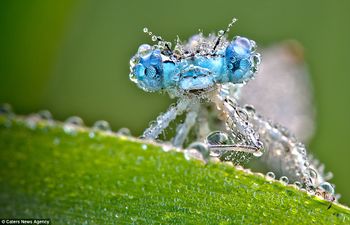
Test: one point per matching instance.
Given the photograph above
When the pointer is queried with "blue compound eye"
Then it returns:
(239, 56)
(148, 72)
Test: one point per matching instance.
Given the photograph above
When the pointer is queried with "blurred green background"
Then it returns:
(72, 57)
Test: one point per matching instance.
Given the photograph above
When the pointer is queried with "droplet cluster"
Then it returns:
(196, 150)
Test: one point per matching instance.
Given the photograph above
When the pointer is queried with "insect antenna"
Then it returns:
(223, 32)
(158, 38)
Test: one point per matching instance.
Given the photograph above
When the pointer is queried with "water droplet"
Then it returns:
(116, 216)
(124, 131)
(167, 148)
(144, 146)
(298, 184)
(92, 134)
(169, 44)
(74, 120)
(306, 163)
(6, 109)
(71, 124)
(45, 115)
(258, 153)
(133, 77)
(133, 62)
(217, 137)
(200, 147)
(270, 175)
(31, 122)
(144, 49)
(326, 187)
(187, 154)
(145, 30)
(250, 109)
(221, 32)
(253, 46)
(313, 174)
(284, 180)
(256, 59)
(310, 190)
(101, 125)
(154, 38)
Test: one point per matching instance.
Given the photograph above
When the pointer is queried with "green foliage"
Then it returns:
(109, 179)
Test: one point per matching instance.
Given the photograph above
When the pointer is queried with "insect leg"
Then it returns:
(183, 129)
(163, 120)
(203, 124)
(285, 154)
(234, 147)
(238, 125)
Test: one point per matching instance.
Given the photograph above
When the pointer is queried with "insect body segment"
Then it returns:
(155, 69)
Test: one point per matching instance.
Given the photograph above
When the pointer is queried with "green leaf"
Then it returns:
(111, 179)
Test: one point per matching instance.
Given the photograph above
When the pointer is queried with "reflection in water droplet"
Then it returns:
(143, 50)
(102, 125)
(74, 120)
(298, 184)
(6, 109)
(31, 122)
(250, 109)
(313, 175)
(167, 148)
(217, 137)
(200, 147)
(124, 131)
(326, 187)
(256, 59)
(258, 153)
(284, 180)
(253, 46)
(310, 190)
(187, 154)
(270, 175)
(45, 115)
(71, 124)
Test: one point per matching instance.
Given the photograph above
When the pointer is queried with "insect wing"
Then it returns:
(282, 89)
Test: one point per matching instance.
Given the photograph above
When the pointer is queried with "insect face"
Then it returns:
(198, 65)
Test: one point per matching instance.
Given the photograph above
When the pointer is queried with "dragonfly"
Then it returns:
(214, 75)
